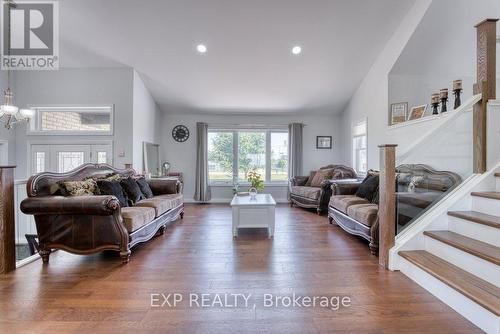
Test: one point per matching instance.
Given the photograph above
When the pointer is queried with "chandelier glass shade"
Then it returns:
(10, 114)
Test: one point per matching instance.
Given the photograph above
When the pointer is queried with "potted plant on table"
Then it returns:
(256, 182)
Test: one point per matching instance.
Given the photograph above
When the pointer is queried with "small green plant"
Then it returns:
(255, 180)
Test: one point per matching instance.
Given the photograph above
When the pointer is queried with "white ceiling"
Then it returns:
(444, 43)
(248, 66)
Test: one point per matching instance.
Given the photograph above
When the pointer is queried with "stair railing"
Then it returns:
(459, 144)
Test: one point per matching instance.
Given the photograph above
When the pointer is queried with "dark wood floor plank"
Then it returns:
(307, 256)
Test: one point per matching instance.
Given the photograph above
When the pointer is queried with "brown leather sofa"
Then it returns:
(418, 188)
(91, 224)
(304, 195)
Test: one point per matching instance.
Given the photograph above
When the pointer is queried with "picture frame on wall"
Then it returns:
(417, 112)
(399, 112)
(324, 142)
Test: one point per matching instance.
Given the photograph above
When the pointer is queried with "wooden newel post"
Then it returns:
(486, 85)
(7, 222)
(387, 202)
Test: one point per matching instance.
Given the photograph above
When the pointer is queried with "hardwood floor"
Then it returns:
(307, 256)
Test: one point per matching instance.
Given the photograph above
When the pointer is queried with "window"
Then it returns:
(40, 162)
(67, 161)
(234, 153)
(72, 120)
(359, 147)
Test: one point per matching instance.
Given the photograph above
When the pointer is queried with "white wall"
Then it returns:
(146, 120)
(77, 86)
(371, 98)
(182, 156)
(8, 136)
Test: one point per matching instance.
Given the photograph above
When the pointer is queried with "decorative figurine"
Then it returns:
(457, 89)
(443, 96)
(435, 103)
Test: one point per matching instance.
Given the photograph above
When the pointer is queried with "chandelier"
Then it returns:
(9, 113)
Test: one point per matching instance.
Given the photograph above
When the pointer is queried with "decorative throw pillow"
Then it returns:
(320, 176)
(113, 188)
(368, 188)
(311, 177)
(415, 183)
(78, 188)
(132, 189)
(145, 188)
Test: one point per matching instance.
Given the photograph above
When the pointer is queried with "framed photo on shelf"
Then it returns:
(417, 112)
(399, 112)
(324, 142)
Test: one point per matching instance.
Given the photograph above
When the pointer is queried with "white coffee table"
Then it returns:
(255, 212)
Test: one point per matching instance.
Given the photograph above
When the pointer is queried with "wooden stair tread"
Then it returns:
(497, 174)
(483, 293)
(477, 217)
(472, 246)
(487, 194)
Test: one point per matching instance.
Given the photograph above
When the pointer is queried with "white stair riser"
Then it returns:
(486, 205)
(498, 183)
(475, 313)
(483, 269)
(473, 230)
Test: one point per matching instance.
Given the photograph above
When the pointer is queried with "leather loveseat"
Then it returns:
(304, 193)
(91, 224)
(418, 188)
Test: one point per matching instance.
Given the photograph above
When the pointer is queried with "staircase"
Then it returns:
(460, 265)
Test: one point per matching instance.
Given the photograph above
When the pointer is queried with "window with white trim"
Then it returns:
(234, 153)
(72, 120)
(359, 147)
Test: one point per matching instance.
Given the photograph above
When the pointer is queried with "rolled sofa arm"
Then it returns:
(165, 187)
(87, 205)
(345, 187)
(298, 180)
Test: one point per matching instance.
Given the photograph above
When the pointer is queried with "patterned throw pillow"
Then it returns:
(79, 188)
(415, 183)
(320, 176)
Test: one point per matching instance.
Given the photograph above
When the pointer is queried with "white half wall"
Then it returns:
(182, 156)
(146, 121)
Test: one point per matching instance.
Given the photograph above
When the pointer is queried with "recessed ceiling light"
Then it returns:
(296, 50)
(201, 48)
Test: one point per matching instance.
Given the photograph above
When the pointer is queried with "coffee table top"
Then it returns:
(259, 200)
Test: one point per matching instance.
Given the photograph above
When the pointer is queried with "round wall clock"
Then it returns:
(180, 133)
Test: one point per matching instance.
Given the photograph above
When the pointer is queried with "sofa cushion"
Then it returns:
(343, 202)
(136, 217)
(368, 188)
(311, 177)
(162, 203)
(132, 189)
(307, 192)
(320, 176)
(366, 214)
(113, 188)
(145, 188)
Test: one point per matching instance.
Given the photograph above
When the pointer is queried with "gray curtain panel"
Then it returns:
(202, 191)
(295, 149)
